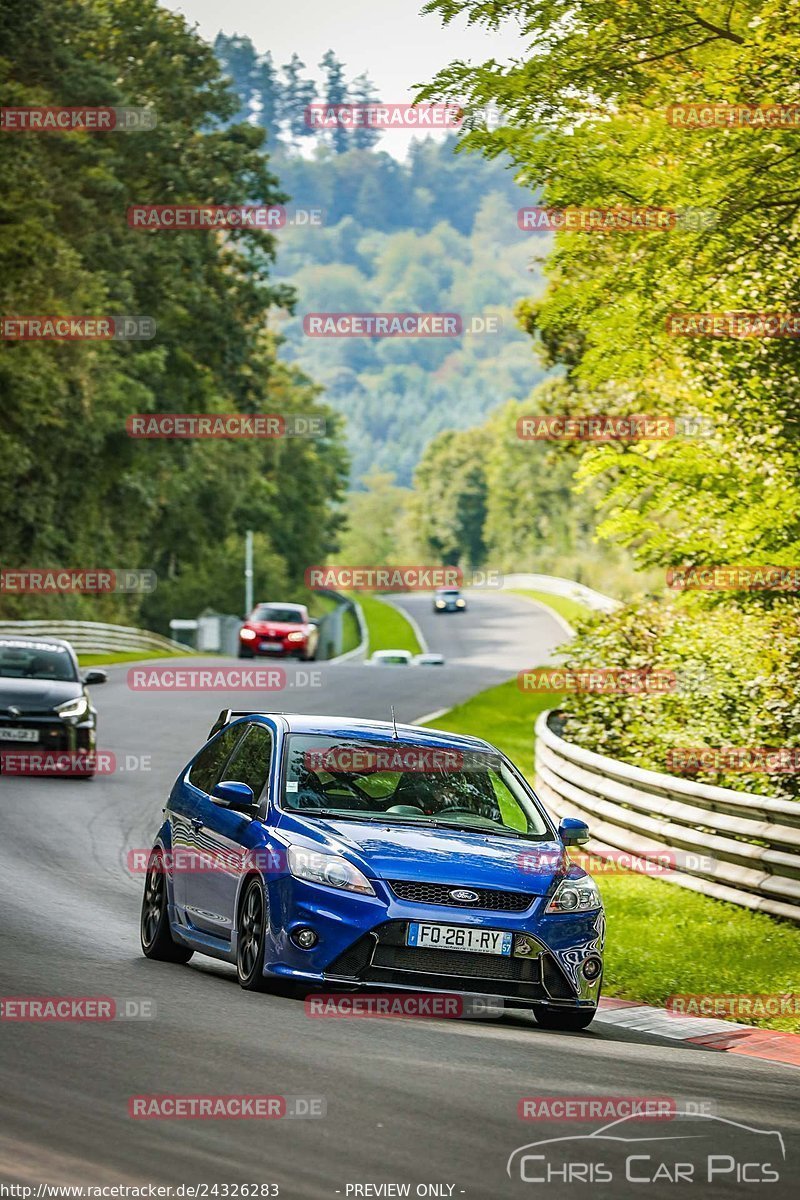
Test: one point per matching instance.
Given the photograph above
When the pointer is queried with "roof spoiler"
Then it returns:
(225, 717)
(230, 714)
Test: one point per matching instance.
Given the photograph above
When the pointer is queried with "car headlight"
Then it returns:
(461, 604)
(295, 637)
(575, 895)
(73, 710)
(248, 635)
(441, 604)
(328, 869)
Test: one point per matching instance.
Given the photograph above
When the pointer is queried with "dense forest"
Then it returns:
(434, 232)
(75, 489)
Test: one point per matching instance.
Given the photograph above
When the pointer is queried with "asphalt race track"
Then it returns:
(409, 1102)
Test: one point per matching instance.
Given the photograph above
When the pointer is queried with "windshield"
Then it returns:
(273, 612)
(408, 784)
(35, 660)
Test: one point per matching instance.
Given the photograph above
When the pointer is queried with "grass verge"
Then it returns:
(571, 610)
(662, 939)
(387, 627)
(128, 656)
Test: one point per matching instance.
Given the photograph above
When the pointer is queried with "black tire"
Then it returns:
(251, 942)
(154, 928)
(245, 653)
(568, 1019)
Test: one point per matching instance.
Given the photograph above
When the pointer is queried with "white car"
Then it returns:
(391, 658)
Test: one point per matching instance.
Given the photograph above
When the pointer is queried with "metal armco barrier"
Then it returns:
(562, 587)
(91, 637)
(740, 847)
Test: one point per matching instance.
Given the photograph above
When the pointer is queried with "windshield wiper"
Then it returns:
(497, 830)
(345, 815)
(422, 822)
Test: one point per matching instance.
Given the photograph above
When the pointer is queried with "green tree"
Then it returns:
(75, 489)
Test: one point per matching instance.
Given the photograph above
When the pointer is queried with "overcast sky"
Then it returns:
(386, 38)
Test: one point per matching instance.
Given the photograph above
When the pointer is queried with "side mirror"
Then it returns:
(236, 796)
(95, 677)
(573, 832)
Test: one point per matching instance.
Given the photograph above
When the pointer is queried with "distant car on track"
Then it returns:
(448, 600)
(429, 660)
(359, 854)
(45, 708)
(391, 658)
(277, 629)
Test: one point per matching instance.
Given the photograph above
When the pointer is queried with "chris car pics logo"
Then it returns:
(701, 1148)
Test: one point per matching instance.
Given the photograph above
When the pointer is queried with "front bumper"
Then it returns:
(362, 943)
(54, 733)
(258, 647)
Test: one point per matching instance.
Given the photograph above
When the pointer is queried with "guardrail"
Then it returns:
(738, 846)
(562, 587)
(92, 637)
(331, 628)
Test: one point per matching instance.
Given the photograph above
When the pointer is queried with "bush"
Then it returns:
(736, 668)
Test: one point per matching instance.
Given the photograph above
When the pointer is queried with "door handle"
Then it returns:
(197, 822)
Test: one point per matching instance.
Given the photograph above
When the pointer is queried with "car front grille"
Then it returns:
(452, 962)
(382, 957)
(439, 893)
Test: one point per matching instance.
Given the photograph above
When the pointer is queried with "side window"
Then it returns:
(212, 758)
(250, 762)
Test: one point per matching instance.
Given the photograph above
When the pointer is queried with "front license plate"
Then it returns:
(19, 735)
(456, 937)
(271, 647)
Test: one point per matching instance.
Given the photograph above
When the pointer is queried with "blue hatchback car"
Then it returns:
(359, 854)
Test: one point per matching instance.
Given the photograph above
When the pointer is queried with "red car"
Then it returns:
(277, 628)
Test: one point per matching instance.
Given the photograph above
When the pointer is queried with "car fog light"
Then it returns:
(592, 968)
(306, 939)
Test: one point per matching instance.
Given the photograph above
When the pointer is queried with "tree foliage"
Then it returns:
(75, 489)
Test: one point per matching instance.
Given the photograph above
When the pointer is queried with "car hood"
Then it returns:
(439, 855)
(28, 694)
(279, 628)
